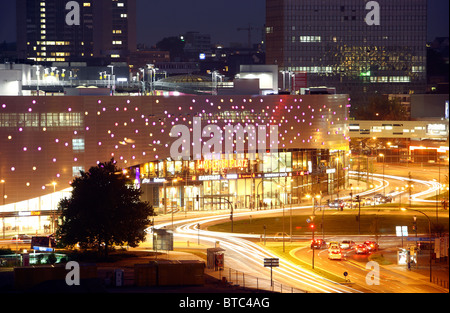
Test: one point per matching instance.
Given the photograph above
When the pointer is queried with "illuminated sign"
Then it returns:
(220, 165)
(301, 173)
(209, 177)
(271, 175)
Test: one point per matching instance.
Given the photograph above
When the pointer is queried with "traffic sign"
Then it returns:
(271, 262)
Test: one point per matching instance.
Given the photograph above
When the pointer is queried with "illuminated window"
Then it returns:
(78, 145)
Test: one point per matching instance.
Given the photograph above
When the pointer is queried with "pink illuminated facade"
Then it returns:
(47, 140)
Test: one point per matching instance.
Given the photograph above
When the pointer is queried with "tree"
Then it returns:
(174, 45)
(104, 209)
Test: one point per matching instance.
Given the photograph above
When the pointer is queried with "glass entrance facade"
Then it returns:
(270, 181)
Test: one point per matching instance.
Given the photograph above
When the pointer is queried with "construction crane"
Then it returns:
(249, 29)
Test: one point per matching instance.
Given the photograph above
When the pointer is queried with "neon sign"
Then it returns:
(220, 165)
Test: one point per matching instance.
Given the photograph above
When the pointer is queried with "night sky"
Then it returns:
(219, 18)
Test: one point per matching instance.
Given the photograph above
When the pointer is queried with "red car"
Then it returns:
(361, 249)
(318, 244)
(371, 245)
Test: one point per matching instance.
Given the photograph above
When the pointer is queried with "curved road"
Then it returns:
(247, 256)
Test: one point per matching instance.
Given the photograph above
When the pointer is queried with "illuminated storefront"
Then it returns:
(271, 181)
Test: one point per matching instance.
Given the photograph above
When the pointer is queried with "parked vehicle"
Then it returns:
(21, 238)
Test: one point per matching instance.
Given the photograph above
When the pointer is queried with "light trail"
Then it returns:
(252, 255)
(247, 253)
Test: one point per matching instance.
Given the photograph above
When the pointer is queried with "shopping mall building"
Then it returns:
(302, 148)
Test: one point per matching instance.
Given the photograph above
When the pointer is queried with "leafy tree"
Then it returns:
(104, 209)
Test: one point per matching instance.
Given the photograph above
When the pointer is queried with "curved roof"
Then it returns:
(179, 79)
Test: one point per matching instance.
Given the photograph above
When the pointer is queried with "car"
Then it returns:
(21, 238)
(361, 249)
(379, 198)
(279, 236)
(347, 244)
(334, 252)
(318, 244)
(371, 245)
(336, 204)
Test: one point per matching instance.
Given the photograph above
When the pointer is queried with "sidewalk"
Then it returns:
(421, 271)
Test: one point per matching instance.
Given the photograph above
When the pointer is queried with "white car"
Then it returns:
(21, 238)
(347, 244)
(334, 252)
(279, 236)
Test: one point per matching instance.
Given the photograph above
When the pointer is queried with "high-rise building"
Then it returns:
(107, 29)
(333, 44)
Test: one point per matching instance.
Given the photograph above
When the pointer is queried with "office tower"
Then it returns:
(331, 43)
(107, 30)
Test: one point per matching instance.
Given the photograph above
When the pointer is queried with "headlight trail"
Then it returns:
(249, 254)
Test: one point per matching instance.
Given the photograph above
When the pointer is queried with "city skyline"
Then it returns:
(172, 20)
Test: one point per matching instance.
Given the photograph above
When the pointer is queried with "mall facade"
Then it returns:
(46, 141)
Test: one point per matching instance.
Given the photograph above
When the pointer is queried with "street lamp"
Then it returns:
(279, 186)
(429, 232)
(53, 209)
(113, 87)
(3, 182)
(172, 192)
(337, 170)
(384, 185)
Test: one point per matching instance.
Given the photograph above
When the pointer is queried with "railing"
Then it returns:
(440, 282)
(102, 83)
(233, 278)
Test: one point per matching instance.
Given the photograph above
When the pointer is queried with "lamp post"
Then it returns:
(172, 192)
(113, 87)
(3, 182)
(438, 192)
(384, 186)
(337, 170)
(53, 209)
(283, 204)
(429, 233)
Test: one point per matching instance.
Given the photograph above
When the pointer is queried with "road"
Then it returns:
(247, 256)
(391, 279)
(243, 253)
